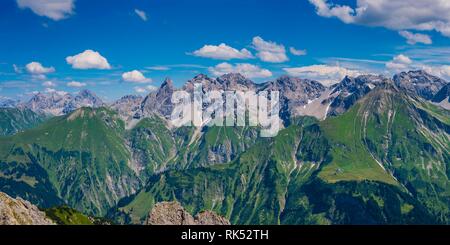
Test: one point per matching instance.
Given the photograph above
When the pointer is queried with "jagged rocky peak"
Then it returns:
(59, 103)
(345, 93)
(419, 83)
(442, 97)
(159, 101)
(236, 81)
(167, 84)
(295, 95)
(16, 211)
(172, 213)
(84, 98)
(127, 106)
(294, 84)
(443, 94)
(128, 98)
(89, 97)
(127, 101)
(53, 103)
(362, 82)
(207, 83)
(226, 82)
(8, 103)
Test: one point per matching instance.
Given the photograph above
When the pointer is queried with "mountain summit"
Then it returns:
(59, 103)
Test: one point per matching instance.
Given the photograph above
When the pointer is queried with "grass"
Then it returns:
(350, 158)
(67, 216)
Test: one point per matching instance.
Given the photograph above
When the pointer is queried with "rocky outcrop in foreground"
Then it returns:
(172, 213)
(20, 212)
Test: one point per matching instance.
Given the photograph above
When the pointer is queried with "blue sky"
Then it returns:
(108, 40)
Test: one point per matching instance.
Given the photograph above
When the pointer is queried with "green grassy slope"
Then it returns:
(258, 179)
(322, 173)
(83, 155)
(13, 120)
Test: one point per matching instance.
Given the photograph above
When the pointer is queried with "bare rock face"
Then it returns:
(419, 83)
(158, 101)
(127, 106)
(172, 213)
(295, 93)
(442, 98)
(169, 213)
(20, 212)
(345, 94)
(210, 218)
(60, 103)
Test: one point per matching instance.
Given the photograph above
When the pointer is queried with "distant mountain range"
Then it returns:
(59, 103)
(367, 150)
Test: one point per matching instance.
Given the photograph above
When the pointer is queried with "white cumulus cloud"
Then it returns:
(247, 70)
(269, 51)
(222, 52)
(54, 91)
(399, 63)
(442, 71)
(423, 15)
(141, 14)
(75, 84)
(88, 59)
(37, 68)
(413, 38)
(49, 84)
(146, 89)
(53, 9)
(297, 52)
(326, 74)
(135, 76)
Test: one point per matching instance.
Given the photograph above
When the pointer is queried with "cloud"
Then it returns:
(429, 54)
(141, 14)
(135, 76)
(37, 68)
(49, 90)
(54, 91)
(326, 74)
(158, 68)
(53, 9)
(424, 15)
(140, 90)
(222, 52)
(399, 63)
(89, 59)
(362, 65)
(442, 71)
(344, 13)
(49, 84)
(75, 84)
(32, 92)
(297, 52)
(269, 51)
(17, 69)
(413, 38)
(247, 70)
(147, 89)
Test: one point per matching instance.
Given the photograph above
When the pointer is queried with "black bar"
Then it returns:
(145, 234)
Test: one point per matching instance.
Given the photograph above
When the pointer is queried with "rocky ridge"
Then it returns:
(20, 212)
(59, 103)
(172, 213)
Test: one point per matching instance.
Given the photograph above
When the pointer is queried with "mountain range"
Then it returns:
(367, 150)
